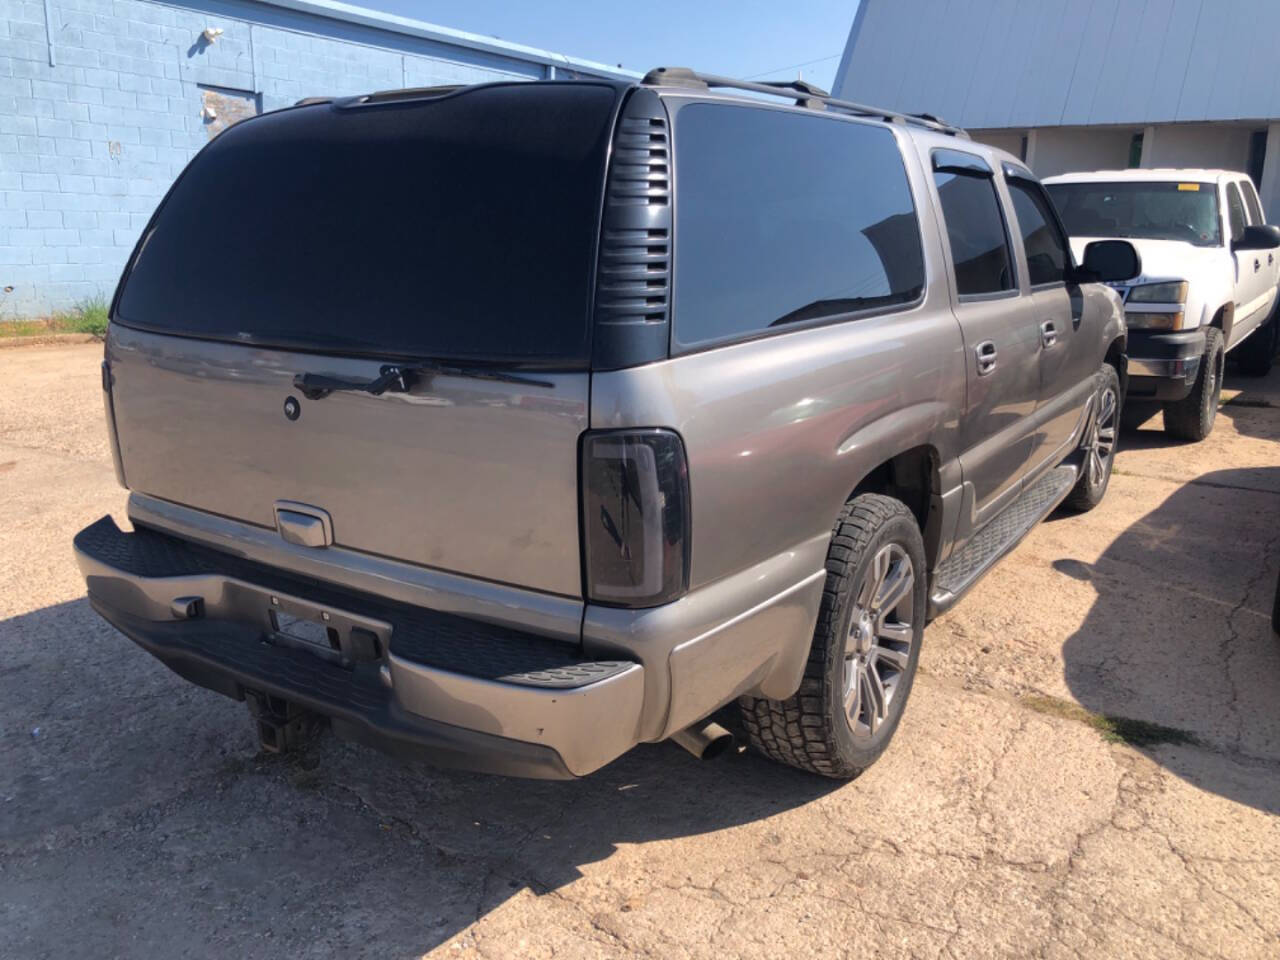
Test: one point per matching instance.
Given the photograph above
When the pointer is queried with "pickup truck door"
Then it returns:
(1260, 289)
(1001, 337)
(1070, 336)
(1255, 278)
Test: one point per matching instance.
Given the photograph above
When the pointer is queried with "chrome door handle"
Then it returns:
(1048, 333)
(985, 355)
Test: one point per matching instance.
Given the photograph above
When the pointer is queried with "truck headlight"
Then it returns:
(1156, 320)
(1173, 292)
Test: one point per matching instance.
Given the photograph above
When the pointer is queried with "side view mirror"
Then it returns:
(1262, 237)
(1109, 261)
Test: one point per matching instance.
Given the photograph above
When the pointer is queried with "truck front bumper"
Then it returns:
(411, 681)
(1163, 366)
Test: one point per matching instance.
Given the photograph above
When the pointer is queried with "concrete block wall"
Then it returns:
(102, 103)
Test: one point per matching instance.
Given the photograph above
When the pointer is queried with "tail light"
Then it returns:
(635, 517)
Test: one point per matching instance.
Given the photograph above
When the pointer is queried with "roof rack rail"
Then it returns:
(811, 96)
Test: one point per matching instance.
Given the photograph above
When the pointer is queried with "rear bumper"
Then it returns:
(1164, 366)
(436, 686)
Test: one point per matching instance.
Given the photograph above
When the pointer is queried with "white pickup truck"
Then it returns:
(1208, 287)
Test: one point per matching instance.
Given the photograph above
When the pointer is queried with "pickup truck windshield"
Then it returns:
(1137, 210)
(461, 227)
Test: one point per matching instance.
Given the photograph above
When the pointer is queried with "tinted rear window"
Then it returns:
(462, 227)
(783, 218)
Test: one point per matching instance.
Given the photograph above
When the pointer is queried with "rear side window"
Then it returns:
(462, 227)
(975, 230)
(1251, 201)
(1045, 246)
(783, 218)
(1235, 212)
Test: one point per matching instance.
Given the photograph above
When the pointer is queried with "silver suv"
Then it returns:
(513, 425)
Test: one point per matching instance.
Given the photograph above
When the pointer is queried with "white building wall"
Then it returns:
(1213, 145)
(1054, 150)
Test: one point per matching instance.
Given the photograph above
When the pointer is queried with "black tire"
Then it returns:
(1192, 417)
(812, 729)
(1257, 354)
(1098, 445)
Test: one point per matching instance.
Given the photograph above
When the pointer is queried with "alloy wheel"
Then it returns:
(1102, 437)
(878, 648)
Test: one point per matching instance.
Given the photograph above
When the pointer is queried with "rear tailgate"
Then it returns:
(470, 476)
(335, 239)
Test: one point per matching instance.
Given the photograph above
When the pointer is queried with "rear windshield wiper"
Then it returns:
(399, 379)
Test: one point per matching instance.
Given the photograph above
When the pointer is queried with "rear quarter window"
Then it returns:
(462, 227)
(783, 219)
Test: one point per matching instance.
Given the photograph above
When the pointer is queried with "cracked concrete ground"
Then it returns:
(138, 819)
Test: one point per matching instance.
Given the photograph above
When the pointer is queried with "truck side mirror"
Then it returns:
(1258, 237)
(1109, 261)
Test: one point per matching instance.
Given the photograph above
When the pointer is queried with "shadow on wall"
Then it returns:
(142, 810)
(1177, 652)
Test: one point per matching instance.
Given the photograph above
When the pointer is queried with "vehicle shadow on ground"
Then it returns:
(128, 792)
(1177, 654)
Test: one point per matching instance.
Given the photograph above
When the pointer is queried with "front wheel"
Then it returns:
(1192, 417)
(863, 658)
(1098, 446)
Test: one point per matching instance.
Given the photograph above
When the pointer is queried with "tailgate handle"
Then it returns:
(302, 524)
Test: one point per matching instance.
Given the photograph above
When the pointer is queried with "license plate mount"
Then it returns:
(311, 632)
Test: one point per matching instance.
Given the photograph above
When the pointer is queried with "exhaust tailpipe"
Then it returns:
(706, 741)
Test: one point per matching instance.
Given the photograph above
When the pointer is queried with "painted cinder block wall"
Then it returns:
(102, 103)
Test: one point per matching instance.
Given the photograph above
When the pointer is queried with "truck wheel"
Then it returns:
(865, 648)
(1098, 446)
(1257, 354)
(1192, 417)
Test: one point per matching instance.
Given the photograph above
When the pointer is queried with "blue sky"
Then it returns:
(746, 38)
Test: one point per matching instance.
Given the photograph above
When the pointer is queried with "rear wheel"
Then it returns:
(1192, 417)
(1098, 445)
(865, 649)
(1257, 354)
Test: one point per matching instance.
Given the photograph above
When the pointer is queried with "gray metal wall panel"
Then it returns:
(1089, 62)
(1042, 83)
(987, 83)
(917, 91)
(1238, 21)
(1208, 46)
(1022, 29)
(966, 28)
(1258, 91)
(1170, 66)
(993, 63)
(1117, 58)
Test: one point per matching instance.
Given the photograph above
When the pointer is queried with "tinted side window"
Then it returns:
(1235, 210)
(1044, 243)
(783, 218)
(1251, 201)
(975, 230)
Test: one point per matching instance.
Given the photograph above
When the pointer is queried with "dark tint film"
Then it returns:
(1251, 201)
(782, 218)
(1235, 210)
(975, 229)
(1046, 249)
(462, 227)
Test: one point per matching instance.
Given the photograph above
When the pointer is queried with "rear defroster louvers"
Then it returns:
(633, 279)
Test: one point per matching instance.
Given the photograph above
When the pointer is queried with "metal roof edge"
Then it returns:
(407, 26)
